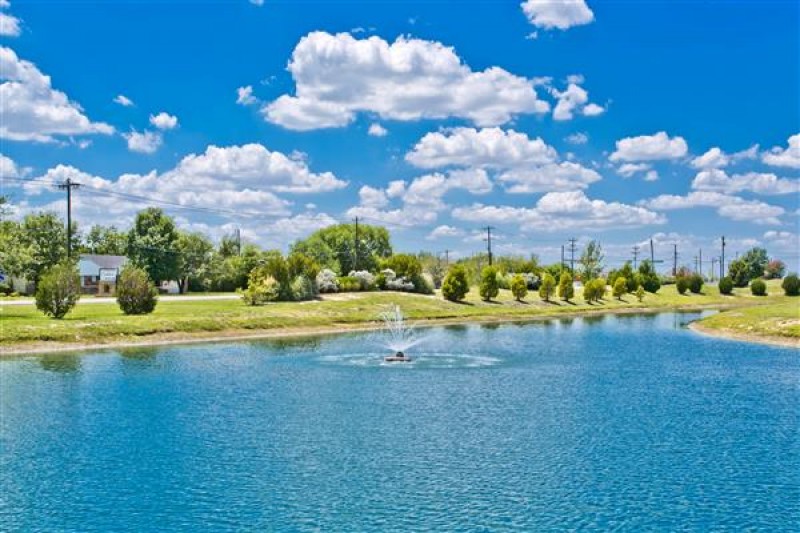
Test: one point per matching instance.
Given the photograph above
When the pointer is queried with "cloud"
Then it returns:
(258, 3)
(339, 76)
(9, 25)
(523, 164)
(627, 170)
(573, 100)
(727, 206)
(372, 197)
(244, 95)
(376, 130)
(164, 121)
(651, 175)
(558, 211)
(444, 231)
(650, 148)
(561, 14)
(32, 110)
(8, 168)
(123, 100)
(577, 138)
(757, 182)
(713, 158)
(146, 142)
(788, 157)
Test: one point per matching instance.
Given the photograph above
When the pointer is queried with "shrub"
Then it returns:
(326, 281)
(261, 287)
(519, 287)
(696, 283)
(739, 273)
(758, 287)
(620, 287)
(380, 281)
(366, 280)
(403, 265)
(565, 288)
(791, 285)
(589, 290)
(547, 287)
(775, 269)
(532, 280)
(303, 289)
(649, 279)
(640, 293)
(600, 289)
(58, 290)
(349, 284)
(423, 284)
(399, 284)
(682, 284)
(136, 294)
(726, 285)
(489, 288)
(455, 285)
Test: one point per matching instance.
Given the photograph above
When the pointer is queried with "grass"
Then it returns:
(779, 319)
(101, 323)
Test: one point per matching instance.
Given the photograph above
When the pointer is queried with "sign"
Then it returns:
(108, 275)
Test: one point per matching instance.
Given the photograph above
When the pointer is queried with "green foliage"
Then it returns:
(403, 265)
(594, 290)
(758, 287)
(739, 273)
(194, 251)
(105, 240)
(455, 285)
(696, 283)
(303, 289)
(726, 285)
(519, 287)
(791, 285)
(334, 247)
(566, 291)
(152, 245)
(682, 284)
(488, 288)
(58, 290)
(136, 294)
(775, 269)
(640, 293)
(648, 277)
(349, 284)
(756, 260)
(517, 264)
(300, 264)
(620, 287)
(547, 287)
(38, 244)
(591, 261)
(261, 287)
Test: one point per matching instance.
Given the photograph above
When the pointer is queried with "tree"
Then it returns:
(755, 259)
(640, 293)
(620, 288)
(261, 287)
(136, 294)
(589, 291)
(696, 283)
(591, 261)
(153, 245)
(194, 252)
(648, 277)
(758, 287)
(565, 288)
(489, 288)
(335, 247)
(726, 285)
(455, 285)
(58, 290)
(682, 284)
(42, 243)
(547, 288)
(791, 285)
(775, 269)
(519, 287)
(739, 273)
(105, 240)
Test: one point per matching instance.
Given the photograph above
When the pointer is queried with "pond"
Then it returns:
(618, 422)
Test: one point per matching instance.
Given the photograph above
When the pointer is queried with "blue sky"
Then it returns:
(619, 121)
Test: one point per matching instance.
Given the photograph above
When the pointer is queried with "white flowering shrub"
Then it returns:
(327, 281)
(366, 280)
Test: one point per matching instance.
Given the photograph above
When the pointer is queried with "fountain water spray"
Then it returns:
(400, 336)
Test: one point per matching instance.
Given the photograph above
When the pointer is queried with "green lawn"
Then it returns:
(779, 319)
(105, 323)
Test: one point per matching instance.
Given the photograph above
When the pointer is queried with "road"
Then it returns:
(106, 300)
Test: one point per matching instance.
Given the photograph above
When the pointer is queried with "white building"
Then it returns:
(99, 273)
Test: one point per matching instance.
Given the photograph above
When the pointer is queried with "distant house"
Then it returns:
(99, 273)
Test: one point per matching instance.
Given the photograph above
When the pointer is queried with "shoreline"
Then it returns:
(213, 337)
(770, 340)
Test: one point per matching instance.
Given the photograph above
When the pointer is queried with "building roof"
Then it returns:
(90, 262)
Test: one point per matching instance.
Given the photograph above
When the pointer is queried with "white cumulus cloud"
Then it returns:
(784, 157)
(244, 95)
(757, 182)
(376, 130)
(650, 148)
(561, 14)
(146, 142)
(123, 100)
(728, 206)
(164, 121)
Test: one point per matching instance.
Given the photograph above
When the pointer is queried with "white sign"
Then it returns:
(108, 274)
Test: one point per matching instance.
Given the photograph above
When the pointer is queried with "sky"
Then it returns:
(546, 120)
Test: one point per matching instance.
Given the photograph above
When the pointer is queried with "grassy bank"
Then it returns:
(778, 321)
(24, 328)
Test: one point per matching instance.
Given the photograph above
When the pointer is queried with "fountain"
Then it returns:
(400, 335)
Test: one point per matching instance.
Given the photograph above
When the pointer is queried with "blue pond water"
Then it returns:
(627, 423)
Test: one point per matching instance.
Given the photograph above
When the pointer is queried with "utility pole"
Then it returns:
(447, 258)
(722, 260)
(674, 260)
(562, 257)
(713, 267)
(237, 235)
(700, 262)
(652, 255)
(572, 254)
(489, 242)
(635, 256)
(68, 185)
(355, 255)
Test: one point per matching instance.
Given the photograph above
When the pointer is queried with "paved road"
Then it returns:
(105, 300)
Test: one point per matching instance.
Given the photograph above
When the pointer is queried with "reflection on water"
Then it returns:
(63, 363)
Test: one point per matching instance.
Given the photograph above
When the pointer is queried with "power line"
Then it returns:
(572, 254)
(68, 185)
(635, 256)
(489, 242)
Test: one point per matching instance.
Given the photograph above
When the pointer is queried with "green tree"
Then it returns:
(58, 290)
(648, 277)
(488, 287)
(194, 252)
(336, 247)
(455, 285)
(153, 245)
(262, 287)
(682, 284)
(591, 261)
(136, 294)
(43, 242)
(726, 285)
(105, 240)
(640, 293)
(548, 287)
(519, 287)
(739, 272)
(620, 287)
(696, 283)
(755, 260)
(758, 287)
(565, 288)
(791, 285)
